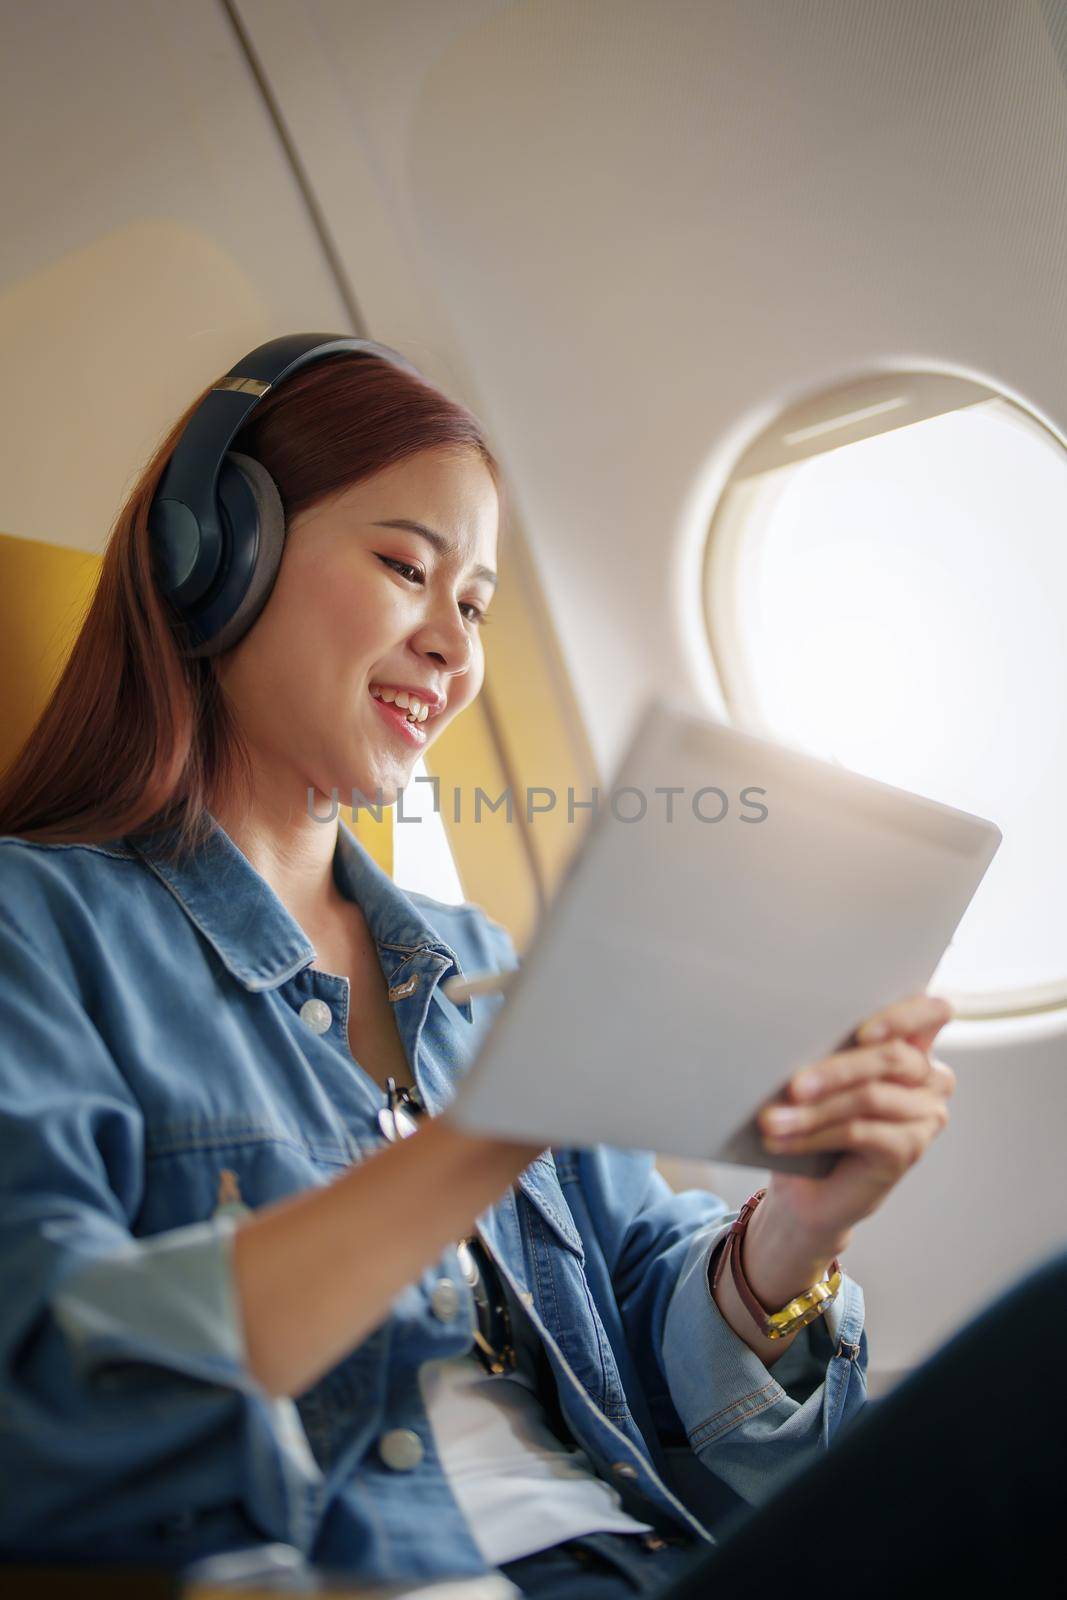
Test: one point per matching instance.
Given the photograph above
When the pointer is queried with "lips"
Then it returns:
(398, 721)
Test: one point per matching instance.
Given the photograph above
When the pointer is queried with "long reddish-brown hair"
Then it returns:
(138, 736)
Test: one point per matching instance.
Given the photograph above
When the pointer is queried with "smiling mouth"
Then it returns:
(398, 719)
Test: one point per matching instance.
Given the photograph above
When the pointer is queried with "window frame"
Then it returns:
(821, 421)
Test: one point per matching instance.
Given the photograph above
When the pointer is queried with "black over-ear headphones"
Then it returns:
(216, 524)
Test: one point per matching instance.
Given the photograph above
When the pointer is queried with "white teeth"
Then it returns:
(417, 712)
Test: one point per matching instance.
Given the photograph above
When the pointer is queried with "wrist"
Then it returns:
(782, 1221)
(780, 1259)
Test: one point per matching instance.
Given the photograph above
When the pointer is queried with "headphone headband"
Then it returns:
(203, 526)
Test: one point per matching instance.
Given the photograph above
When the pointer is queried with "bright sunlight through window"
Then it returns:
(422, 859)
(897, 604)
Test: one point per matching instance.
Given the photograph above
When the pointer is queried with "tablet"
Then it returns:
(735, 910)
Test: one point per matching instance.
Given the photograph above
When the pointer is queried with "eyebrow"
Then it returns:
(440, 543)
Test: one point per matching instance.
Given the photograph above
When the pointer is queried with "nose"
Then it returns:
(449, 643)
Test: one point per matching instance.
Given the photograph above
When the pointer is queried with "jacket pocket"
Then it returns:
(195, 1170)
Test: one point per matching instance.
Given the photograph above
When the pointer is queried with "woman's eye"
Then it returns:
(476, 614)
(403, 567)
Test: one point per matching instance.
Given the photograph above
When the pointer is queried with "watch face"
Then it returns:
(782, 1330)
(802, 1318)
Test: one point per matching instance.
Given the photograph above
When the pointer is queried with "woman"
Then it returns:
(239, 1308)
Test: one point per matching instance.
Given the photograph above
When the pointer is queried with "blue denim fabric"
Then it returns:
(602, 1566)
(151, 1041)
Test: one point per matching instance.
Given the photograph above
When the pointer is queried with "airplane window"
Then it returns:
(891, 597)
(422, 857)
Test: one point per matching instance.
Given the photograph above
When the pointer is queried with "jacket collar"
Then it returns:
(250, 929)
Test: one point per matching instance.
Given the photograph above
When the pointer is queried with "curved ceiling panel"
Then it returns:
(653, 225)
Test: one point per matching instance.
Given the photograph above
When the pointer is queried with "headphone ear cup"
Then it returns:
(239, 475)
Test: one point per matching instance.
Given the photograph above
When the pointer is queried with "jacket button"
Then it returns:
(317, 1015)
(623, 1469)
(444, 1301)
(400, 1449)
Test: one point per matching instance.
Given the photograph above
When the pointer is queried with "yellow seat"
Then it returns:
(45, 590)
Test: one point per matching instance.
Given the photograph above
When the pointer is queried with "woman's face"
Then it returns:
(360, 609)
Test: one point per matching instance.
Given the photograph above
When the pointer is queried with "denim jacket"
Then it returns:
(169, 1057)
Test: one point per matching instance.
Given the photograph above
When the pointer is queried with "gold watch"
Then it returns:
(799, 1311)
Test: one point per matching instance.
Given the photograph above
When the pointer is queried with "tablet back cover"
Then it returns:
(707, 943)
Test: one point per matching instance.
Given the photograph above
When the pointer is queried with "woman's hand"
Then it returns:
(881, 1102)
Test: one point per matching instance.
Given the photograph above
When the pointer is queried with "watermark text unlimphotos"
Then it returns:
(627, 804)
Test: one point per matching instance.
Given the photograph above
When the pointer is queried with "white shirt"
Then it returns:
(520, 1487)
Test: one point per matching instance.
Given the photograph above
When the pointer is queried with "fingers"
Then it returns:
(943, 1079)
(877, 1100)
(896, 1059)
(898, 1144)
(922, 1014)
